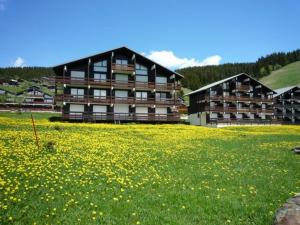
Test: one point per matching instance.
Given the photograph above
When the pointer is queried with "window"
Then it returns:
(99, 109)
(122, 77)
(141, 95)
(161, 113)
(79, 93)
(160, 95)
(140, 78)
(100, 66)
(120, 108)
(76, 108)
(77, 75)
(99, 76)
(99, 93)
(141, 70)
(121, 94)
(122, 61)
(161, 80)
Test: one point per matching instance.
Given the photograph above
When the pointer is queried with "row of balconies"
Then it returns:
(288, 114)
(238, 109)
(245, 120)
(111, 116)
(108, 83)
(113, 99)
(237, 98)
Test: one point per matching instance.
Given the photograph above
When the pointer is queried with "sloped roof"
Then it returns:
(126, 48)
(224, 80)
(280, 91)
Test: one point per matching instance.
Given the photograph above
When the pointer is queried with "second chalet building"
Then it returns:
(287, 104)
(237, 99)
(117, 85)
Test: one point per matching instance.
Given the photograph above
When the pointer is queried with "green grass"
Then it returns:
(144, 174)
(24, 86)
(286, 76)
(186, 98)
(27, 115)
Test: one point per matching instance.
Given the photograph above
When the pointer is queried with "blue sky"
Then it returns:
(175, 33)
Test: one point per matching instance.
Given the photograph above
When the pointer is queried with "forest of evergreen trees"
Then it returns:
(196, 77)
(26, 73)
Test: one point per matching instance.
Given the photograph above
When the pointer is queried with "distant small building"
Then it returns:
(237, 99)
(35, 96)
(287, 104)
(13, 82)
(6, 96)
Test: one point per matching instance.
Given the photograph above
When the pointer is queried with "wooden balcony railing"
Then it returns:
(243, 87)
(244, 121)
(127, 68)
(235, 109)
(236, 98)
(107, 83)
(111, 116)
(114, 99)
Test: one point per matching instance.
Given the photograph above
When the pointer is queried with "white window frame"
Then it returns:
(77, 75)
(99, 76)
(77, 92)
(121, 94)
(141, 95)
(121, 78)
(141, 78)
(161, 80)
(99, 93)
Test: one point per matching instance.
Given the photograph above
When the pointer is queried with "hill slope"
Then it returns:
(288, 75)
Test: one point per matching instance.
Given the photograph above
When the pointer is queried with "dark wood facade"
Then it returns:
(238, 99)
(287, 104)
(117, 85)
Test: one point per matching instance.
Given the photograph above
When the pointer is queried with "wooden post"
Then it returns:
(34, 129)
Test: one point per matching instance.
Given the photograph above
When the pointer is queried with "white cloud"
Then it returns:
(170, 60)
(19, 62)
(2, 5)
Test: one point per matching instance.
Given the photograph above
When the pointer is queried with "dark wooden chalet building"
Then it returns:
(117, 85)
(237, 99)
(287, 104)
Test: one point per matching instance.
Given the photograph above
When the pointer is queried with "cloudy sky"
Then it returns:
(176, 34)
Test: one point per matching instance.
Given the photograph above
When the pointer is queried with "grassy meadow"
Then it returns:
(144, 174)
(288, 75)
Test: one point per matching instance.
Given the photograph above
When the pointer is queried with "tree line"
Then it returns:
(195, 77)
(26, 73)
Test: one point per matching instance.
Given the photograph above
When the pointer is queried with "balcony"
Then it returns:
(108, 83)
(114, 100)
(243, 87)
(236, 98)
(245, 121)
(123, 68)
(110, 116)
(240, 110)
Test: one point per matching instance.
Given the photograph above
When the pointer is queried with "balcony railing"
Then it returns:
(243, 87)
(107, 83)
(111, 116)
(115, 99)
(127, 68)
(236, 98)
(245, 121)
(235, 109)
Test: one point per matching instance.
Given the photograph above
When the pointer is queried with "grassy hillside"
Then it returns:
(25, 85)
(186, 98)
(288, 75)
(144, 174)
